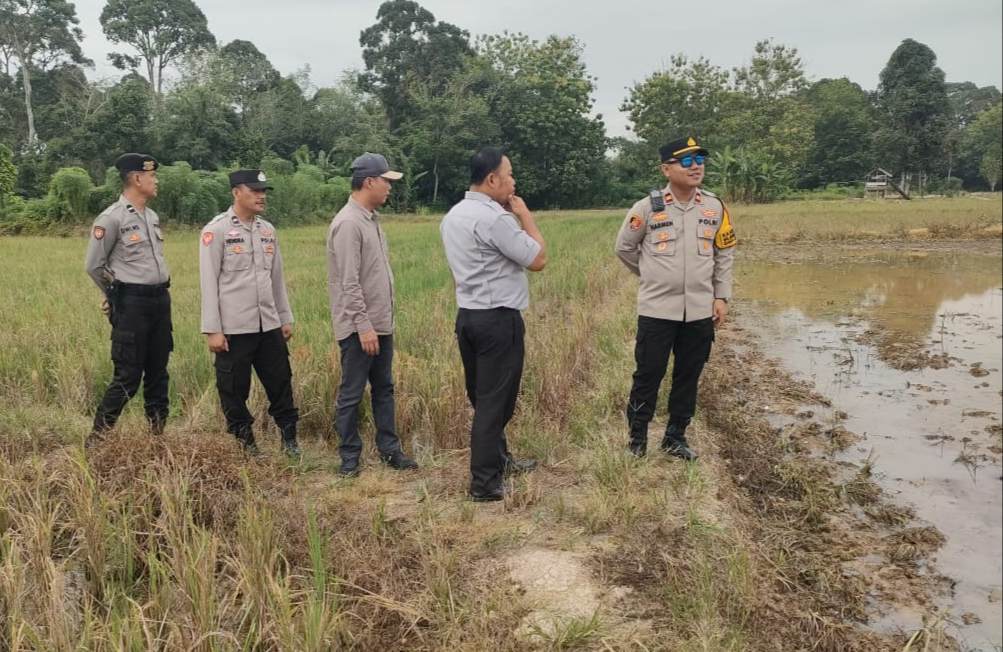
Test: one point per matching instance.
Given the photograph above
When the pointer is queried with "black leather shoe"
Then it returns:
(399, 461)
(638, 448)
(488, 496)
(349, 469)
(514, 466)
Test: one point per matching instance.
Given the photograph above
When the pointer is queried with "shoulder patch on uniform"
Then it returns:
(725, 237)
(98, 232)
(636, 222)
(207, 238)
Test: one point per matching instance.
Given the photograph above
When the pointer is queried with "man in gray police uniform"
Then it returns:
(361, 291)
(125, 257)
(246, 316)
(680, 241)
(491, 238)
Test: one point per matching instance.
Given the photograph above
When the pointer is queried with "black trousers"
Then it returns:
(268, 355)
(357, 368)
(141, 343)
(690, 342)
(492, 348)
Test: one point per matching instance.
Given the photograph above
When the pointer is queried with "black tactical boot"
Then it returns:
(289, 445)
(674, 442)
(245, 435)
(638, 438)
(157, 425)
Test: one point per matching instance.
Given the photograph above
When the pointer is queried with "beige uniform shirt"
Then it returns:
(240, 268)
(360, 282)
(684, 255)
(126, 246)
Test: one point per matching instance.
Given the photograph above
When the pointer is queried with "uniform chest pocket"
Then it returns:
(661, 242)
(235, 261)
(133, 246)
(705, 240)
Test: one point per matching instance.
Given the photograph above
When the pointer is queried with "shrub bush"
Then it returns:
(70, 194)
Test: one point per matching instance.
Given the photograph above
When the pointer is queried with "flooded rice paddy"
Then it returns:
(908, 346)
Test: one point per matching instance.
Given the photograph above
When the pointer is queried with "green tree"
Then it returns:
(121, 123)
(405, 45)
(990, 167)
(542, 101)
(689, 96)
(843, 120)
(280, 116)
(966, 100)
(8, 173)
(161, 31)
(347, 122)
(39, 33)
(199, 127)
(982, 145)
(244, 71)
(776, 71)
(912, 110)
(445, 129)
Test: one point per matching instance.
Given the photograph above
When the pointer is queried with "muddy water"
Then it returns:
(934, 433)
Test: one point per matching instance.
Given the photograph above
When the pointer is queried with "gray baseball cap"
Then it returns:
(373, 165)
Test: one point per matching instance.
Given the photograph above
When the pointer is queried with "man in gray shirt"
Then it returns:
(491, 238)
(361, 290)
(246, 316)
(125, 258)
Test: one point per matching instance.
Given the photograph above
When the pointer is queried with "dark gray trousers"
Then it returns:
(358, 368)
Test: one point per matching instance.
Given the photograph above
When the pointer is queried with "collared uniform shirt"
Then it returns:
(360, 281)
(488, 253)
(684, 255)
(127, 246)
(240, 269)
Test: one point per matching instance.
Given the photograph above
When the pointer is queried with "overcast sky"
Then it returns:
(625, 40)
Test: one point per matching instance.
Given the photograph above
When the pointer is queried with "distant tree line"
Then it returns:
(428, 95)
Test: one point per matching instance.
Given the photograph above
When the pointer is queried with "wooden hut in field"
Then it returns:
(880, 182)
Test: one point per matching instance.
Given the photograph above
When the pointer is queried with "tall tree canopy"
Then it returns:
(39, 33)
(160, 31)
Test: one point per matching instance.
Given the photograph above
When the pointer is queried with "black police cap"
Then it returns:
(681, 147)
(133, 162)
(254, 179)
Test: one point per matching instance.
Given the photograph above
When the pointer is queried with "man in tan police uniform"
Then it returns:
(680, 241)
(125, 258)
(245, 311)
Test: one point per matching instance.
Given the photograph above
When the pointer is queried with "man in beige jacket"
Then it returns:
(246, 316)
(361, 290)
(680, 241)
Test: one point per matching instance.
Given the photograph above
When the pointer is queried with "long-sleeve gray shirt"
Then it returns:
(126, 246)
(240, 269)
(488, 253)
(684, 255)
(360, 282)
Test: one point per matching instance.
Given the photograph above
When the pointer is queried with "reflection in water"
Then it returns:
(895, 291)
(934, 433)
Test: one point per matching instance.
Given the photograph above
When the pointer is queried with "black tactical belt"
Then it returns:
(143, 290)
